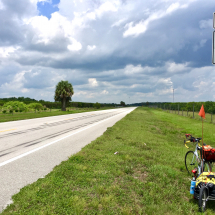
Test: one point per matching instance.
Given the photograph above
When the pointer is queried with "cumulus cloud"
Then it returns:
(108, 50)
(93, 82)
(91, 47)
(141, 27)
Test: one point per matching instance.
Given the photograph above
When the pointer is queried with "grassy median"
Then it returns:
(135, 167)
(54, 112)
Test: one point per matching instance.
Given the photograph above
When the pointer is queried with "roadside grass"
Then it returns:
(7, 117)
(208, 117)
(147, 175)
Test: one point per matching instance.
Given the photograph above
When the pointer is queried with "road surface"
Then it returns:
(30, 149)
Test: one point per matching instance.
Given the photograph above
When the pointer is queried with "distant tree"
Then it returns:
(63, 93)
(97, 105)
(122, 103)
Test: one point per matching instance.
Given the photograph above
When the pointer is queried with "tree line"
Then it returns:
(62, 96)
(209, 106)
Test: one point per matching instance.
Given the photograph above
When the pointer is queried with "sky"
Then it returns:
(110, 51)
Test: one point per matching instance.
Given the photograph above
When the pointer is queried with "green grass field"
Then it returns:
(147, 175)
(54, 112)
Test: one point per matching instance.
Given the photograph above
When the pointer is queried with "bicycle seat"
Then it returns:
(199, 138)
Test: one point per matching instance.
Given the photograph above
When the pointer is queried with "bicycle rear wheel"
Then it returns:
(203, 195)
(207, 167)
(191, 162)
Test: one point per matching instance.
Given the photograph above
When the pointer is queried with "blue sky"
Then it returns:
(108, 50)
(47, 8)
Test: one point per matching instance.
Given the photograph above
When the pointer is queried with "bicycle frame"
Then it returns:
(195, 156)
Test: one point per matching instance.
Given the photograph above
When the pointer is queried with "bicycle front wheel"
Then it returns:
(191, 162)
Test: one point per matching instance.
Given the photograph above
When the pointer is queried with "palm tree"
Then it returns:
(63, 93)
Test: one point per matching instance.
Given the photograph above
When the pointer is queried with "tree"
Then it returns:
(122, 103)
(63, 93)
(97, 105)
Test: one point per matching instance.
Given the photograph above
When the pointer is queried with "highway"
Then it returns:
(30, 149)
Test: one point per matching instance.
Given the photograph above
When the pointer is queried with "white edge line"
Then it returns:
(41, 147)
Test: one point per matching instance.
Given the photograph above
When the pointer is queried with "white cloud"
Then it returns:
(75, 46)
(16, 84)
(5, 51)
(175, 68)
(91, 47)
(206, 23)
(104, 92)
(107, 7)
(166, 81)
(118, 23)
(2, 7)
(46, 30)
(93, 82)
(141, 27)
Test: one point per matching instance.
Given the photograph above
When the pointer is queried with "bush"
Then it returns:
(15, 106)
(35, 106)
(4, 111)
(11, 111)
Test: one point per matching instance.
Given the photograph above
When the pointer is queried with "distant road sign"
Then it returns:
(213, 49)
(214, 21)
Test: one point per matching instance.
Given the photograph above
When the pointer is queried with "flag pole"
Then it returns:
(202, 144)
(202, 114)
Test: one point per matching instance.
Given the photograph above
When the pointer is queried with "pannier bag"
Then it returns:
(208, 153)
(205, 179)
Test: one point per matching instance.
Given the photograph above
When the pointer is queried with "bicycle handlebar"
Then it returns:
(191, 139)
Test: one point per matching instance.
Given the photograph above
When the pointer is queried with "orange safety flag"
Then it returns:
(202, 112)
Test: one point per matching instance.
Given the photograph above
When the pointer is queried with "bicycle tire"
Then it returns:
(209, 166)
(203, 198)
(190, 162)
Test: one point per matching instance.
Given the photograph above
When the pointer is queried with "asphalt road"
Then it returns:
(30, 149)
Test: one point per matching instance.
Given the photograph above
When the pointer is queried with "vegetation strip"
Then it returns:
(23, 115)
(135, 167)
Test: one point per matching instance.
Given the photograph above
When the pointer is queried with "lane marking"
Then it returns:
(48, 144)
(9, 130)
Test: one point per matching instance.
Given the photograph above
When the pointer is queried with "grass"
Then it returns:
(54, 112)
(208, 117)
(135, 167)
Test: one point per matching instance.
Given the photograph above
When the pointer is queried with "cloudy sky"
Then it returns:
(110, 50)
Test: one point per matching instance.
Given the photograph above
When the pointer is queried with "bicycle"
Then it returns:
(193, 160)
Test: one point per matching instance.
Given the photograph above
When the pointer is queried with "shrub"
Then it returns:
(35, 106)
(4, 111)
(15, 106)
